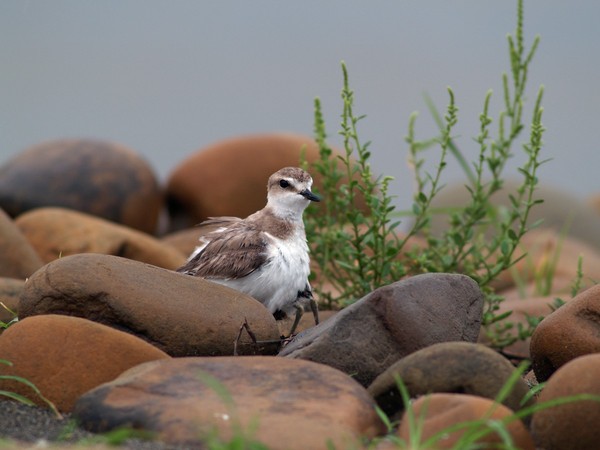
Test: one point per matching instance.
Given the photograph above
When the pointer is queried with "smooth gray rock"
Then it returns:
(391, 322)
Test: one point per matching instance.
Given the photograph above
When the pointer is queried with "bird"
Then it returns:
(265, 255)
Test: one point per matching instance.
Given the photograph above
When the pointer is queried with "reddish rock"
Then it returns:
(367, 337)
(181, 315)
(569, 332)
(18, 259)
(561, 212)
(67, 356)
(523, 311)
(283, 403)
(57, 232)
(442, 411)
(229, 177)
(101, 178)
(550, 255)
(451, 367)
(185, 241)
(570, 425)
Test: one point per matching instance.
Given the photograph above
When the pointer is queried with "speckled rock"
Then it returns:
(10, 291)
(58, 232)
(367, 337)
(442, 411)
(229, 177)
(18, 259)
(97, 177)
(290, 404)
(569, 332)
(181, 315)
(451, 367)
(67, 356)
(570, 425)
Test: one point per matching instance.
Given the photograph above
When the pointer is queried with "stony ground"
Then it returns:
(24, 425)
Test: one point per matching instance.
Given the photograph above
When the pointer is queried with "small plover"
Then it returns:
(264, 255)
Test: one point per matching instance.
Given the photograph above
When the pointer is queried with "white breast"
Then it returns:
(277, 283)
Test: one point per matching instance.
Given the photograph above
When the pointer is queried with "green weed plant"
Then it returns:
(357, 251)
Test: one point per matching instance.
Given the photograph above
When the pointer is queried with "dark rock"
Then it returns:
(18, 259)
(393, 321)
(451, 367)
(96, 177)
(570, 425)
(57, 232)
(181, 315)
(441, 411)
(287, 404)
(67, 356)
(569, 332)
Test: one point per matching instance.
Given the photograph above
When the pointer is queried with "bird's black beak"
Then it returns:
(310, 196)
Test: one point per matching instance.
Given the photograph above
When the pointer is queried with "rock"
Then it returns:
(100, 178)
(180, 314)
(185, 241)
(17, 258)
(67, 356)
(10, 290)
(451, 367)
(523, 311)
(442, 411)
(367, 337)
(569, 332)
(561, 211)
(570, 425)
(229, 177)
(283, 403)
(57, 232)
(550, 265)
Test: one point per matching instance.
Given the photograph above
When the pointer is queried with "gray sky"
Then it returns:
(168, 77)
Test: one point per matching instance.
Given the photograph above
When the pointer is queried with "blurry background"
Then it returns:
(169, 77)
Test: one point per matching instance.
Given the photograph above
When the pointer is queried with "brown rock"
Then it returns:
(57, 232)
(17, 258)
(67, 356)
(569, 332)
(181, 315)
(229, 177)
(10, 290)
(571, 425)
(185, 241)
(367, 337)
(550, 265)
(442, 411)
(452, 367)
(100, 178)
(523, 311)
(289, 404)
(561, 212)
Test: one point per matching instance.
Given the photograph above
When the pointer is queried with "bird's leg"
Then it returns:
(315, 310)
(299, 312)
(250, 333)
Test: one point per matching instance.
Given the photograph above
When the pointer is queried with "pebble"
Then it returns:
(101, 178)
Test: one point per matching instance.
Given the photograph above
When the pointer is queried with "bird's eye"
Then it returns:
(284, 183)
